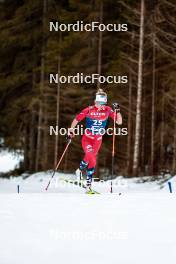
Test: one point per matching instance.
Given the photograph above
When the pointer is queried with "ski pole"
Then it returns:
(57, 166)
(113, 148)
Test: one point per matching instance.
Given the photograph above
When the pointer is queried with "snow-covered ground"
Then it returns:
(64, 225)
(37, 182)
(9, 161)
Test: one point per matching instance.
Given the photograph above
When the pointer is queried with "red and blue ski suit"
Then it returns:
(96, 119)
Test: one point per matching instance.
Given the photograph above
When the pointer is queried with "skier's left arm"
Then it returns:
(115, 112)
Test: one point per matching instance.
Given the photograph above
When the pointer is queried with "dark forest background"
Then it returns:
(146, 53)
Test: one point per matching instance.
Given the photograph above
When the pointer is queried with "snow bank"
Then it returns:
(9, 161)
(36, 183)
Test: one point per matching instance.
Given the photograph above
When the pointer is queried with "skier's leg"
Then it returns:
(92, 164)
(89, 159)
(89, 174)
(83, 165)
(88, 150)
(97, 145)
(79, 171)
(93, 153)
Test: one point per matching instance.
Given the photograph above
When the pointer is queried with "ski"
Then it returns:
(79, 175)
(81, 184)
(92, 192)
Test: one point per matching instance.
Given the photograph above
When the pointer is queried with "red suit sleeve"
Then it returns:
(112, 114)
(79, 117)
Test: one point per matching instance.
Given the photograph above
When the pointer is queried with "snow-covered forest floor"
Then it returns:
(64, 225)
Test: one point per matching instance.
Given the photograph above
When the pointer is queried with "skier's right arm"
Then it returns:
(74, 124)
(79, 117)
(71, 133)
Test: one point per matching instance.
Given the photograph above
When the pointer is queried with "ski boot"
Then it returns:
(79, 172)
(89, 173)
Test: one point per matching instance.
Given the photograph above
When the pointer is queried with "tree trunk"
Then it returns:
(100, 40)
(139, 94)
(99, 66)
(162, 132)
(32, 142)
(153, 105)
(42, 105)
(39, 134)
(174, 154)
(143, 137)
(44, 161)
(26, 147)
(57, 113)
(129, 145)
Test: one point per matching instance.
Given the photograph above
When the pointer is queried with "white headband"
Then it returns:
(101, 98)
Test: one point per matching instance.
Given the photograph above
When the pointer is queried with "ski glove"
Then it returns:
(70, 134)
(116, 107)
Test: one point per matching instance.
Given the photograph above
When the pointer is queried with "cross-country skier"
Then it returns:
(96, 119)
